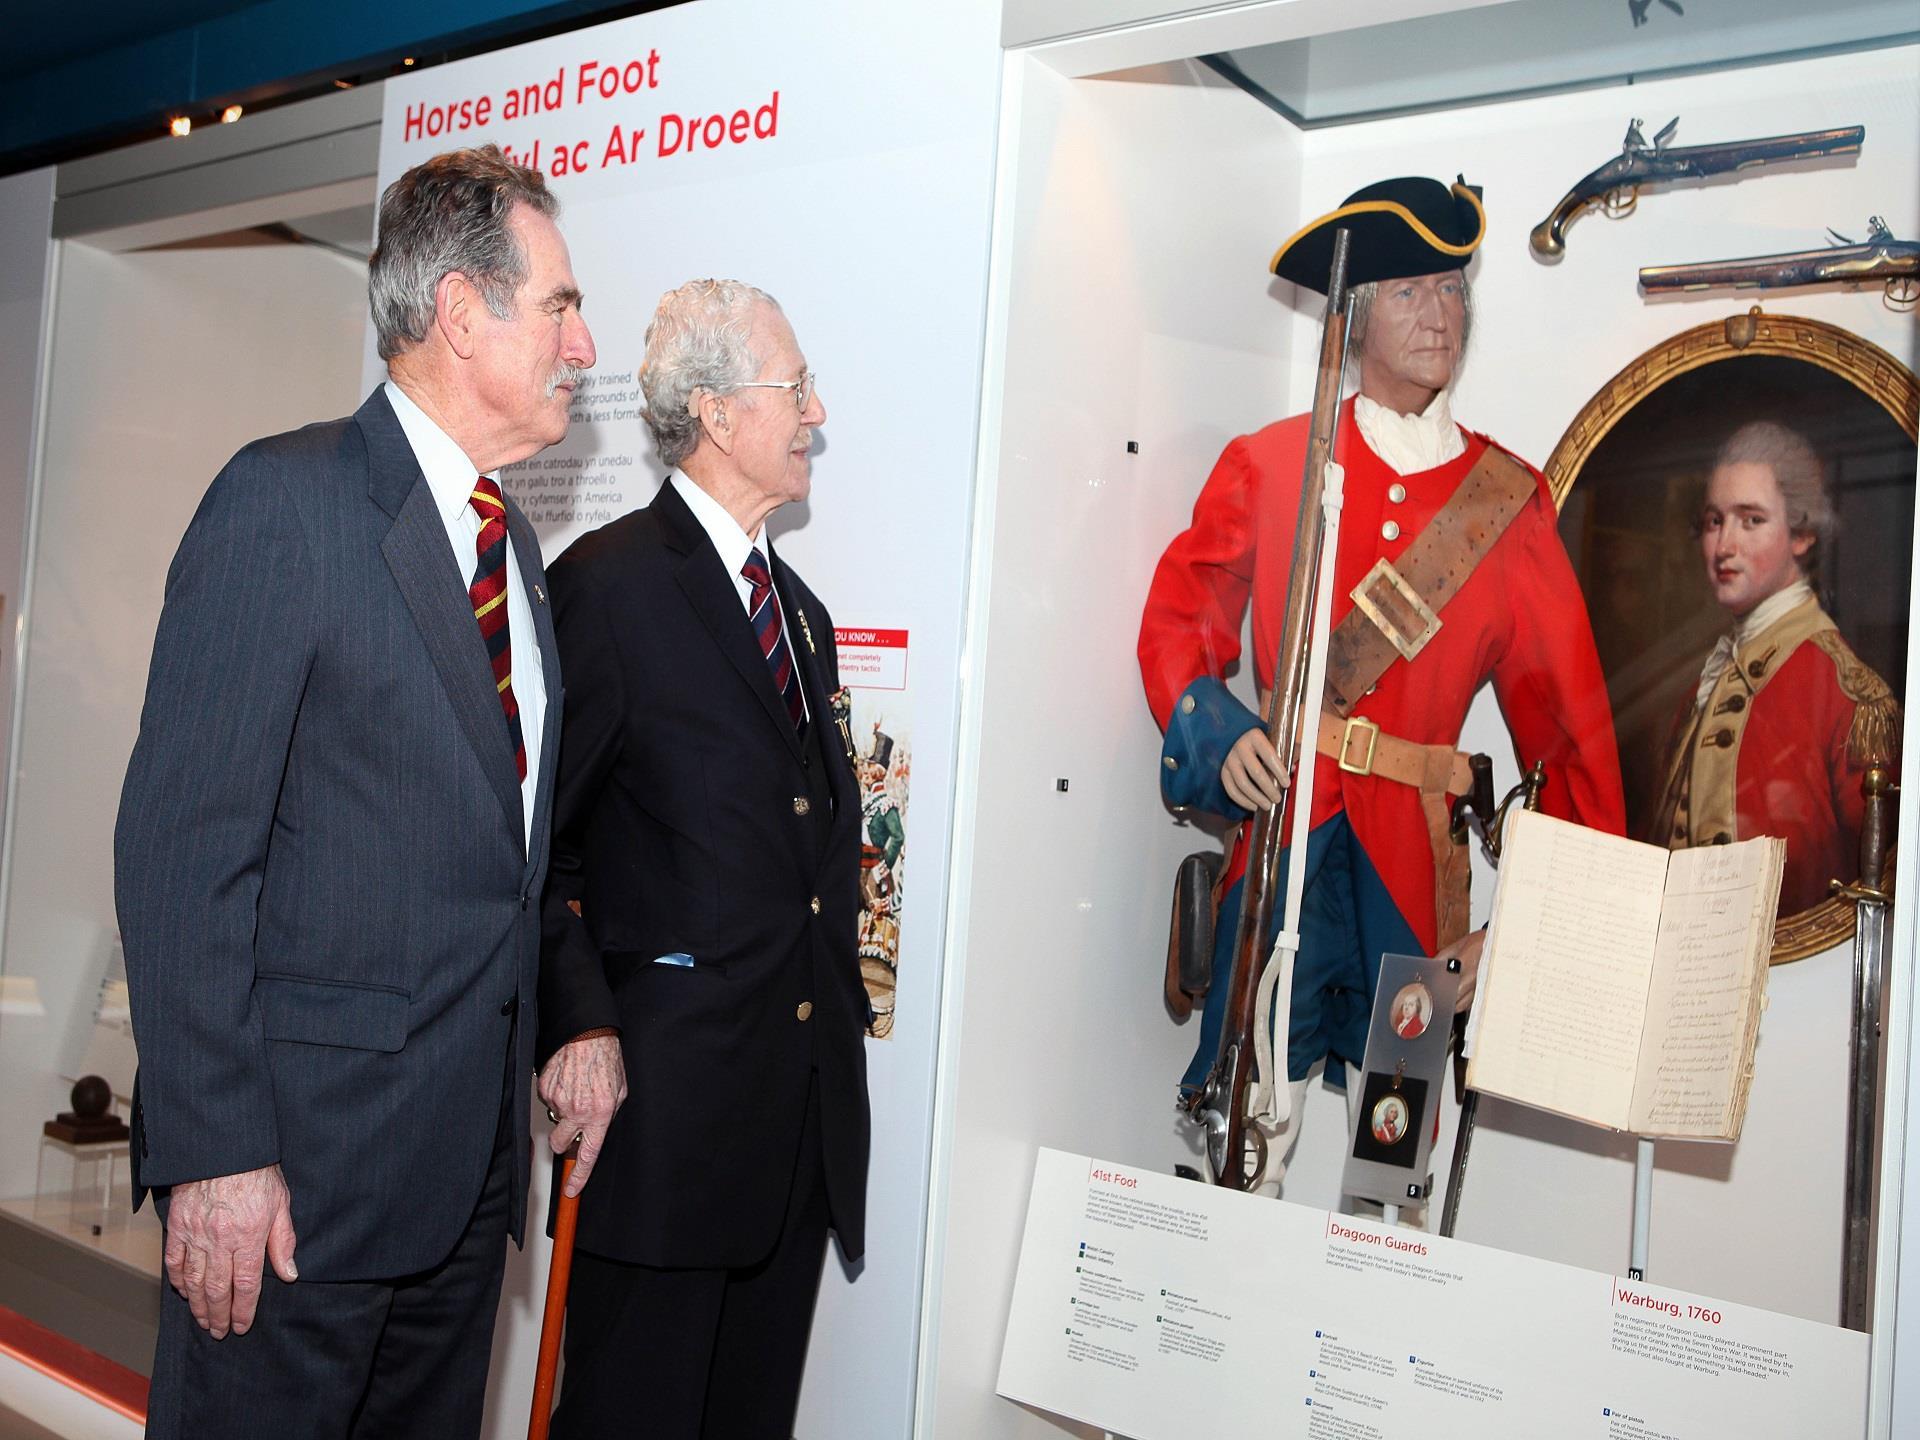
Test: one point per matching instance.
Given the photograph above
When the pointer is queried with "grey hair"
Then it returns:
(446, 214)
(1360, 314)
(1797, 470)
(700, 338)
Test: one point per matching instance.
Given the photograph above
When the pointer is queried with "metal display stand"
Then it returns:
(1476, 814)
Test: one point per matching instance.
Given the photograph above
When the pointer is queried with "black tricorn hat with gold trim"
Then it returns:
(1401, 228)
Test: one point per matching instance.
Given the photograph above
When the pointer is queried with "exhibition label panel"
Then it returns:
(1148, 1305)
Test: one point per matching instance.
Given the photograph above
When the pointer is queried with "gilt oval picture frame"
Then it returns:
(1708, 761)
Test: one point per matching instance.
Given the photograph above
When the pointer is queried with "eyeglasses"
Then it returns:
(802, 388)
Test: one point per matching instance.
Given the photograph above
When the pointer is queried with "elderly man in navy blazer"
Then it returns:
(701, 913)
(331, 848)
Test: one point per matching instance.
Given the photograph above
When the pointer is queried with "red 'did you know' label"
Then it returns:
(872, 659)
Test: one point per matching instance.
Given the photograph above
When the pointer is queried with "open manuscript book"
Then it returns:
(1622, 984)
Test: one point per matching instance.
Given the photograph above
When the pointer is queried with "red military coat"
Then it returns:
(1779, 749)
(1519, 620)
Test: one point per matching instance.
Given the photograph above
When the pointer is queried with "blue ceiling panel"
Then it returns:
(82, 79)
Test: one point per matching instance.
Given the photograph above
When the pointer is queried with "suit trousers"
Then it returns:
(402, 1359)
(699, 1354)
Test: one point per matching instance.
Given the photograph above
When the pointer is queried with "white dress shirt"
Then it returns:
(734, 545)
(450, 476)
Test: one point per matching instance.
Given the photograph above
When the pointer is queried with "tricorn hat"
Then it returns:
(1404, 227)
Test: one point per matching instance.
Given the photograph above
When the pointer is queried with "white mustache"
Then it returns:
(565, 375)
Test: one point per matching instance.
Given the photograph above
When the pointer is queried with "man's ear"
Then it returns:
(455, 311)
(714, 420)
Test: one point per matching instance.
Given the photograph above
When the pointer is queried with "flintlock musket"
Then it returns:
(1221, 1103)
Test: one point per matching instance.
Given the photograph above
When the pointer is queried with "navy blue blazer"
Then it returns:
(692, 826)
(329, 911)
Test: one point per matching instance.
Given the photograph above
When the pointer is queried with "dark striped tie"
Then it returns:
(488, 592)
(764, 606)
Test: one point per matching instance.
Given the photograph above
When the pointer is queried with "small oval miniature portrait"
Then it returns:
(1411, 1011)
(1390, 1117)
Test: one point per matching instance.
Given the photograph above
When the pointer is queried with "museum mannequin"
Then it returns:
(1775, 737)
(1382, 876)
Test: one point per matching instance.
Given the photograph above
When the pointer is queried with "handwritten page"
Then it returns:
(1571, 959)
(1704, 1010)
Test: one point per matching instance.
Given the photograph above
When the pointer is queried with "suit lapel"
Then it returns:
(422, 563)
(715, 600)
(813, 680)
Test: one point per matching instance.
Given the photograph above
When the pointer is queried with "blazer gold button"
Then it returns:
(804, 1010)
(815, 904)
(1390, 530)
(1186, 704)
(1396, 492)
(1170, 763)
(800, 805)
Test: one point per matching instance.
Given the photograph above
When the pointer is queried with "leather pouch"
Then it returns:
(1190, 934)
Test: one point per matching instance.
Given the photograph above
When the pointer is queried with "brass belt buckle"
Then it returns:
(1372, 731)
(1409, 644)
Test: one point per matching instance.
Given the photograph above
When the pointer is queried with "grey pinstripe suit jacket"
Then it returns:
(330, 917)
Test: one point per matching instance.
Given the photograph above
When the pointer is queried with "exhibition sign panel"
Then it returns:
(1152, 1306)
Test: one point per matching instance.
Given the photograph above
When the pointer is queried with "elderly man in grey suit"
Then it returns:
(331, 848)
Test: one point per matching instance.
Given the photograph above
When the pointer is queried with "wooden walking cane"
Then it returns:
(559, 1271)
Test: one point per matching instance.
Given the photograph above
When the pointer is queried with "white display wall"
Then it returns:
(1136, 215)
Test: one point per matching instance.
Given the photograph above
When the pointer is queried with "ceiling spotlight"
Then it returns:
(343, 84)
(408, 61)
(180, 125)
(231, 114)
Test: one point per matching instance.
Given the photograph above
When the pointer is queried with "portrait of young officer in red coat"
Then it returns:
(1429, 506)
(1785, 718)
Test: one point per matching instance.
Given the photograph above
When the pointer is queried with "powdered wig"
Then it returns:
(446, 214)
(700, 339)
(1797, 469)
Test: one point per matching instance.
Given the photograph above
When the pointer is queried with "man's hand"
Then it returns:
(1467, 951)
(1251, 773)
(583, 1084)
(217, 1231)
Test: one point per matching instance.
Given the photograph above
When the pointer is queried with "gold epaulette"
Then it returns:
(1876, 714)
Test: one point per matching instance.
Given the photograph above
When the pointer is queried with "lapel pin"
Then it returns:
(539, 594)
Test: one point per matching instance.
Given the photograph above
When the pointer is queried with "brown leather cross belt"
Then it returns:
(1397, 606)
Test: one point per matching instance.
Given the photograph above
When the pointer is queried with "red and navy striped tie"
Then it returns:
(764, 606)
(488, 592)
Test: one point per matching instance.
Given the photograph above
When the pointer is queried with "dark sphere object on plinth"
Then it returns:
(92, 1097)
(91, 1121)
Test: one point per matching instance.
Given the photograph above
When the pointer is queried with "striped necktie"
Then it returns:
(764, 607)
(488, 592)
